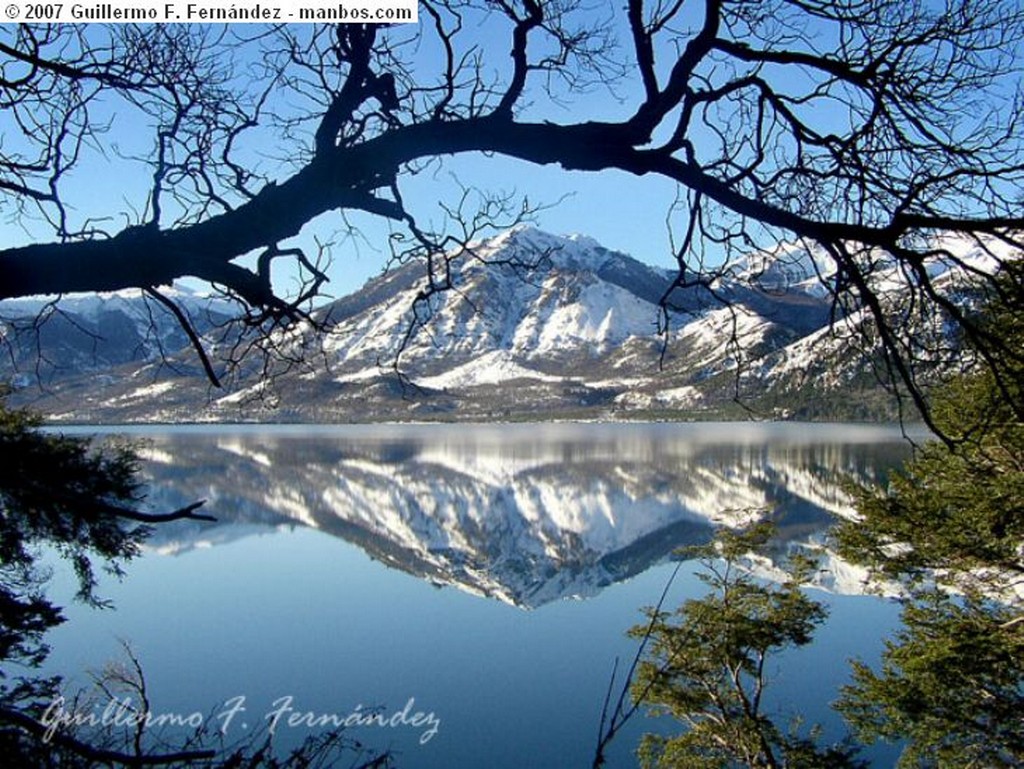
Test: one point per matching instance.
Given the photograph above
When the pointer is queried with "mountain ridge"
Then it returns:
(534, 326)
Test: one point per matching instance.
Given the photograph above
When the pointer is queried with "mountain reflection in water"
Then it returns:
(527, 514)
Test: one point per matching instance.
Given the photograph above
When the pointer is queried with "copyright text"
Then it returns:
(365, 11)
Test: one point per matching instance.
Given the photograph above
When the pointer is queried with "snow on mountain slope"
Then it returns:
(827, 354)
(132, 302)
(527, 303)
(598, 315)
(800, 267)
(83, 333)
(489, 368)
(529, 311)
(535, 325)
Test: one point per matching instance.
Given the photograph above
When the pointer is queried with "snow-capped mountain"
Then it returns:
(49, 341)
(531, 325)
(528, 304)
(538, 325)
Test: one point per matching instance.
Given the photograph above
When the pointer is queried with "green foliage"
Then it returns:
(705, 665)
(55, 492)
(958, 508)
(959, 505)
(60, 491)
(951, 682)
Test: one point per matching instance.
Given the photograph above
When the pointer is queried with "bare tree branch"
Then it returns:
(83, 749)
(872, 128)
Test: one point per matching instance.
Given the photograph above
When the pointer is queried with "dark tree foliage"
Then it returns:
(53, 491)
(886, 133)
(59, 491)
(958, 506)
(80, 502)
(64, 495)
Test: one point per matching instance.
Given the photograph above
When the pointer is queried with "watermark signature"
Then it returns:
(236, 713)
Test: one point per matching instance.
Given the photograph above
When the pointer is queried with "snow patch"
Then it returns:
(491, 368)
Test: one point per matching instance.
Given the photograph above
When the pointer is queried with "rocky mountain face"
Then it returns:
(534, 326)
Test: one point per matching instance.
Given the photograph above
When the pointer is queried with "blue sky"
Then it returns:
(621, 211)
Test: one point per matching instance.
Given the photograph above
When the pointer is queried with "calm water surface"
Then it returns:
(488, 574)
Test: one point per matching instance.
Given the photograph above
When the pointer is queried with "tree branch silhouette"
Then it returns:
(872, 128)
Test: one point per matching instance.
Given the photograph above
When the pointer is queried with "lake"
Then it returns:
(483, 577)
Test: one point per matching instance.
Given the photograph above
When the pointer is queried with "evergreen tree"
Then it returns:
(951, 526)
(951, 685)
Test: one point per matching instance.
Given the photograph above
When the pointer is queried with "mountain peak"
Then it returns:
(797, 266)
(532, 245)
(530, 236)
